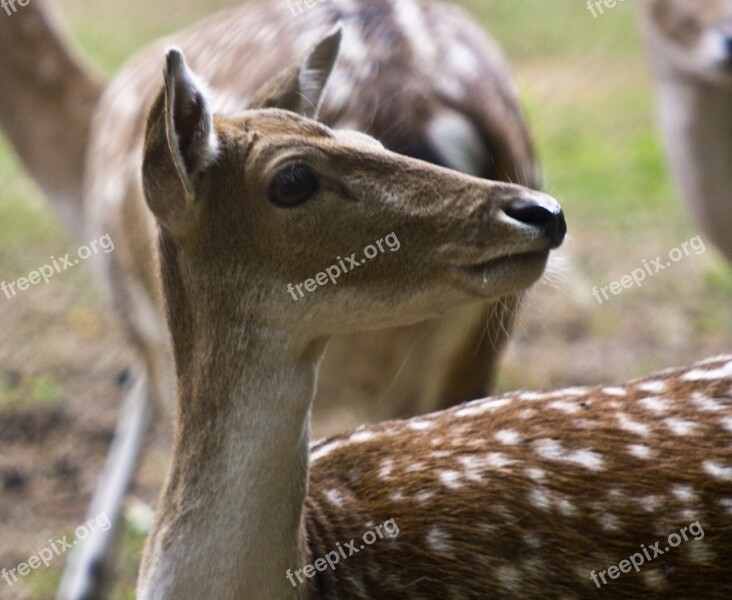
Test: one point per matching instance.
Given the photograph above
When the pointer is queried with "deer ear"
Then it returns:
(189, 123)
(300, 88)
(180, 143)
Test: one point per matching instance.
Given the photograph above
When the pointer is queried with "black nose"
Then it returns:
(551, 223)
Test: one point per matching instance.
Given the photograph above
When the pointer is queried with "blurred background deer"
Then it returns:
(689, 44)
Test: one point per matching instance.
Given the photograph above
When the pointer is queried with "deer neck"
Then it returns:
(231, 517)
(696, 119)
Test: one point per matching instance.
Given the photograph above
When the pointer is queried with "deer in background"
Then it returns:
(690, 47)
(419, 76)
(528, 495)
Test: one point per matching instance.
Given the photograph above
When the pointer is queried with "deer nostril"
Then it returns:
(551, 223)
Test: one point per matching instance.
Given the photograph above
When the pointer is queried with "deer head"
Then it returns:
(271, 197)
(694, 36)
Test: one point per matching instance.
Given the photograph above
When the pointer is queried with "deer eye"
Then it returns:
(293, 185)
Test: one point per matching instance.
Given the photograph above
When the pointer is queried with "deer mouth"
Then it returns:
(510, 260)
(506, 274)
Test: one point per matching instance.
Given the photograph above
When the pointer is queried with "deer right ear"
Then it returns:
(300, 88)
(180, 144)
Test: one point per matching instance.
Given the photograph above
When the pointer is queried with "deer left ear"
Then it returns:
(300, 88)
(189, 122)
(179, 144)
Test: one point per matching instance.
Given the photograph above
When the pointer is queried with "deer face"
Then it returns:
(317, 231)
(693, 35)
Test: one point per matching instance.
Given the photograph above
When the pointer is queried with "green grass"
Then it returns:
(560, 29)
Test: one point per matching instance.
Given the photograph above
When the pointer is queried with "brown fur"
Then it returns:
(246, 354)
(519, 496)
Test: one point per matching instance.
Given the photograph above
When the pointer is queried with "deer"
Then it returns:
(689, 44)
(532, 495)
(420, 76)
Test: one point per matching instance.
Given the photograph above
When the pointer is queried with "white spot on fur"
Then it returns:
(420, 425)
(539, 497)
(563, 393)
(632, 426)
(335, 497)
(566, 507)
(424, 496)
(536, 474)
(325, 450)
(653, 387)
(456, 140)
(362, 436)
(496, 460)
(618, 392)
(609, 522)
(570, 408)
(462, 60)
(640, 451)
(726, 423)
(707, 375)
(684, 493)
(509, 577)
(718, 471)
(654, 404)
(653, 579)
(415, 467)
(707, 404)
(438, 540)
(451, 479)
(478, 408)
(441, 454)
(552, 450)
(509, 437)
(680, 426)
(531, 396)
(413, 25)
(650, 503)
(386, 467)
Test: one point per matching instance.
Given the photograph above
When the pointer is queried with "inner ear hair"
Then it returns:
(189, 121)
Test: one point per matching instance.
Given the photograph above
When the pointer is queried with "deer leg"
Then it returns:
(88, 570)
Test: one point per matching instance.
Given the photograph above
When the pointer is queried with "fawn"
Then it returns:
(418, 75)
(527, 495)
